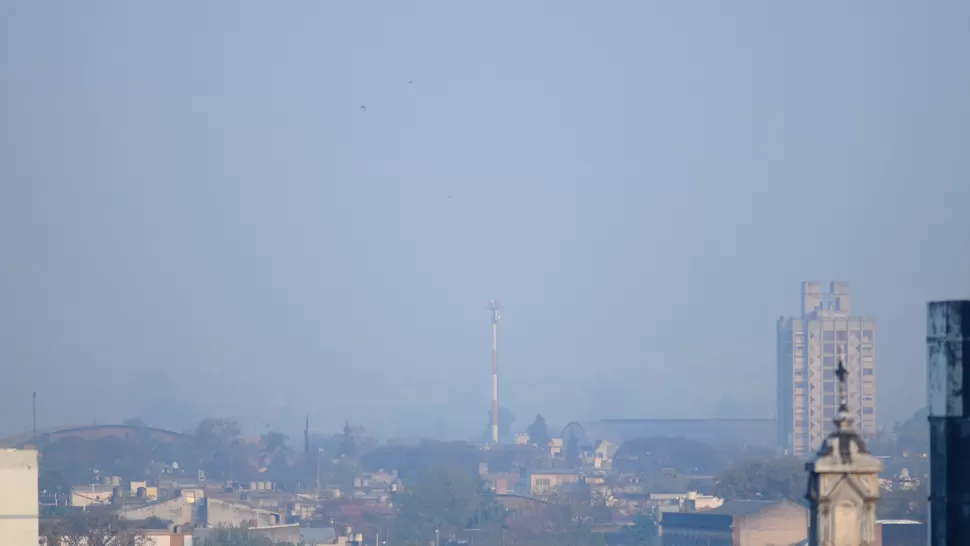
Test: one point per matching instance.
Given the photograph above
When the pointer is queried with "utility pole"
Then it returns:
(493, 306)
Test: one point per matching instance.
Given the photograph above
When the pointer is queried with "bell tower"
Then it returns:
(843, 483)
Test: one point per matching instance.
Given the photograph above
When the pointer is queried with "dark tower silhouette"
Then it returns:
(948, 373)
(349, 447)
(306, 435)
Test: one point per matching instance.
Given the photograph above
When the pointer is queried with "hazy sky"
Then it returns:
(196, 216)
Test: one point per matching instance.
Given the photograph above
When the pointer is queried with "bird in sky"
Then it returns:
(363, 108)
(410, 82)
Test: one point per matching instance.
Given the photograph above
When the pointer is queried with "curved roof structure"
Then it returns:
(577, 430)
(91, 432)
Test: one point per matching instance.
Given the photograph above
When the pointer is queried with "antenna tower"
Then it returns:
(493, 307)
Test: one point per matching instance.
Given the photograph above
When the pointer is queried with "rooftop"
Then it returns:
(739, 508)
(555, 471)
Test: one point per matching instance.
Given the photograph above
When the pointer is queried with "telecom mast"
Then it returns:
(493, 307)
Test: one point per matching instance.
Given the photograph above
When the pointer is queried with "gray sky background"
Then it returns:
(197, 218)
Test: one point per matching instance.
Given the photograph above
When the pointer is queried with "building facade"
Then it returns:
(19, 507)
(808, 348)
(947, 375)
(737, 523)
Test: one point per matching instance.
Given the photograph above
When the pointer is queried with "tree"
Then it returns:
(217, 432)
(215, 438)
(348, 447)
(539, 432)
(653, 453)
(760, 479)
(505, 421)
(88, 530)
(345, 473)
(413, 462)
(910, 504)
(236, 536)
(274, 440)
(643, 531)
(445, 498)
(572, 452)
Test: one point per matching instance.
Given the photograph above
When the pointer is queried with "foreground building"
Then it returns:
(737, 523)
(18, 497)
(948, 373)
(843, 483)
(807, 349)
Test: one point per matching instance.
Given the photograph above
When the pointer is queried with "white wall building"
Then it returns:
(19, 505)
(808, 349)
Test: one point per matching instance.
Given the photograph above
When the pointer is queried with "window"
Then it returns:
(842, 336)
(829, 348)
(828, 336)
(868, 411)
(829, 362)
(867, 371)
(799, 384)
(543, 482)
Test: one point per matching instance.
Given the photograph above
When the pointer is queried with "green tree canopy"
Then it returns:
(539, 431)
(763, 479)
(449, 499)
(572, 452)
(654, 453)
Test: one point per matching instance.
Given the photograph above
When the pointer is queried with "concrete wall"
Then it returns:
(785, 523)
(18, 497)
(540, 483)
(176, 510)
(222, 513)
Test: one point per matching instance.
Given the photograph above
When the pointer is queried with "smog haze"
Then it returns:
(265, 210)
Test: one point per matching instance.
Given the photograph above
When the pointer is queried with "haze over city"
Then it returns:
(303, 207)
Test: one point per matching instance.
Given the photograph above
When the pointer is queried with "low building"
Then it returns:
(690, 501)
(902, 532)
(19, 503)
(225, 513)
(320, 536)
(555, 447)
(737, 523)
(207, 512)
(176, 511)
(164, 538)
(546, 481)
(276, 534)
(83, 496)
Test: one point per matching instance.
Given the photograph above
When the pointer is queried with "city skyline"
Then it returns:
(185, 204)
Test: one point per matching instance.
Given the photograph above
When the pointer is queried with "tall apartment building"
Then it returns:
(18, 497)
(808, 351)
